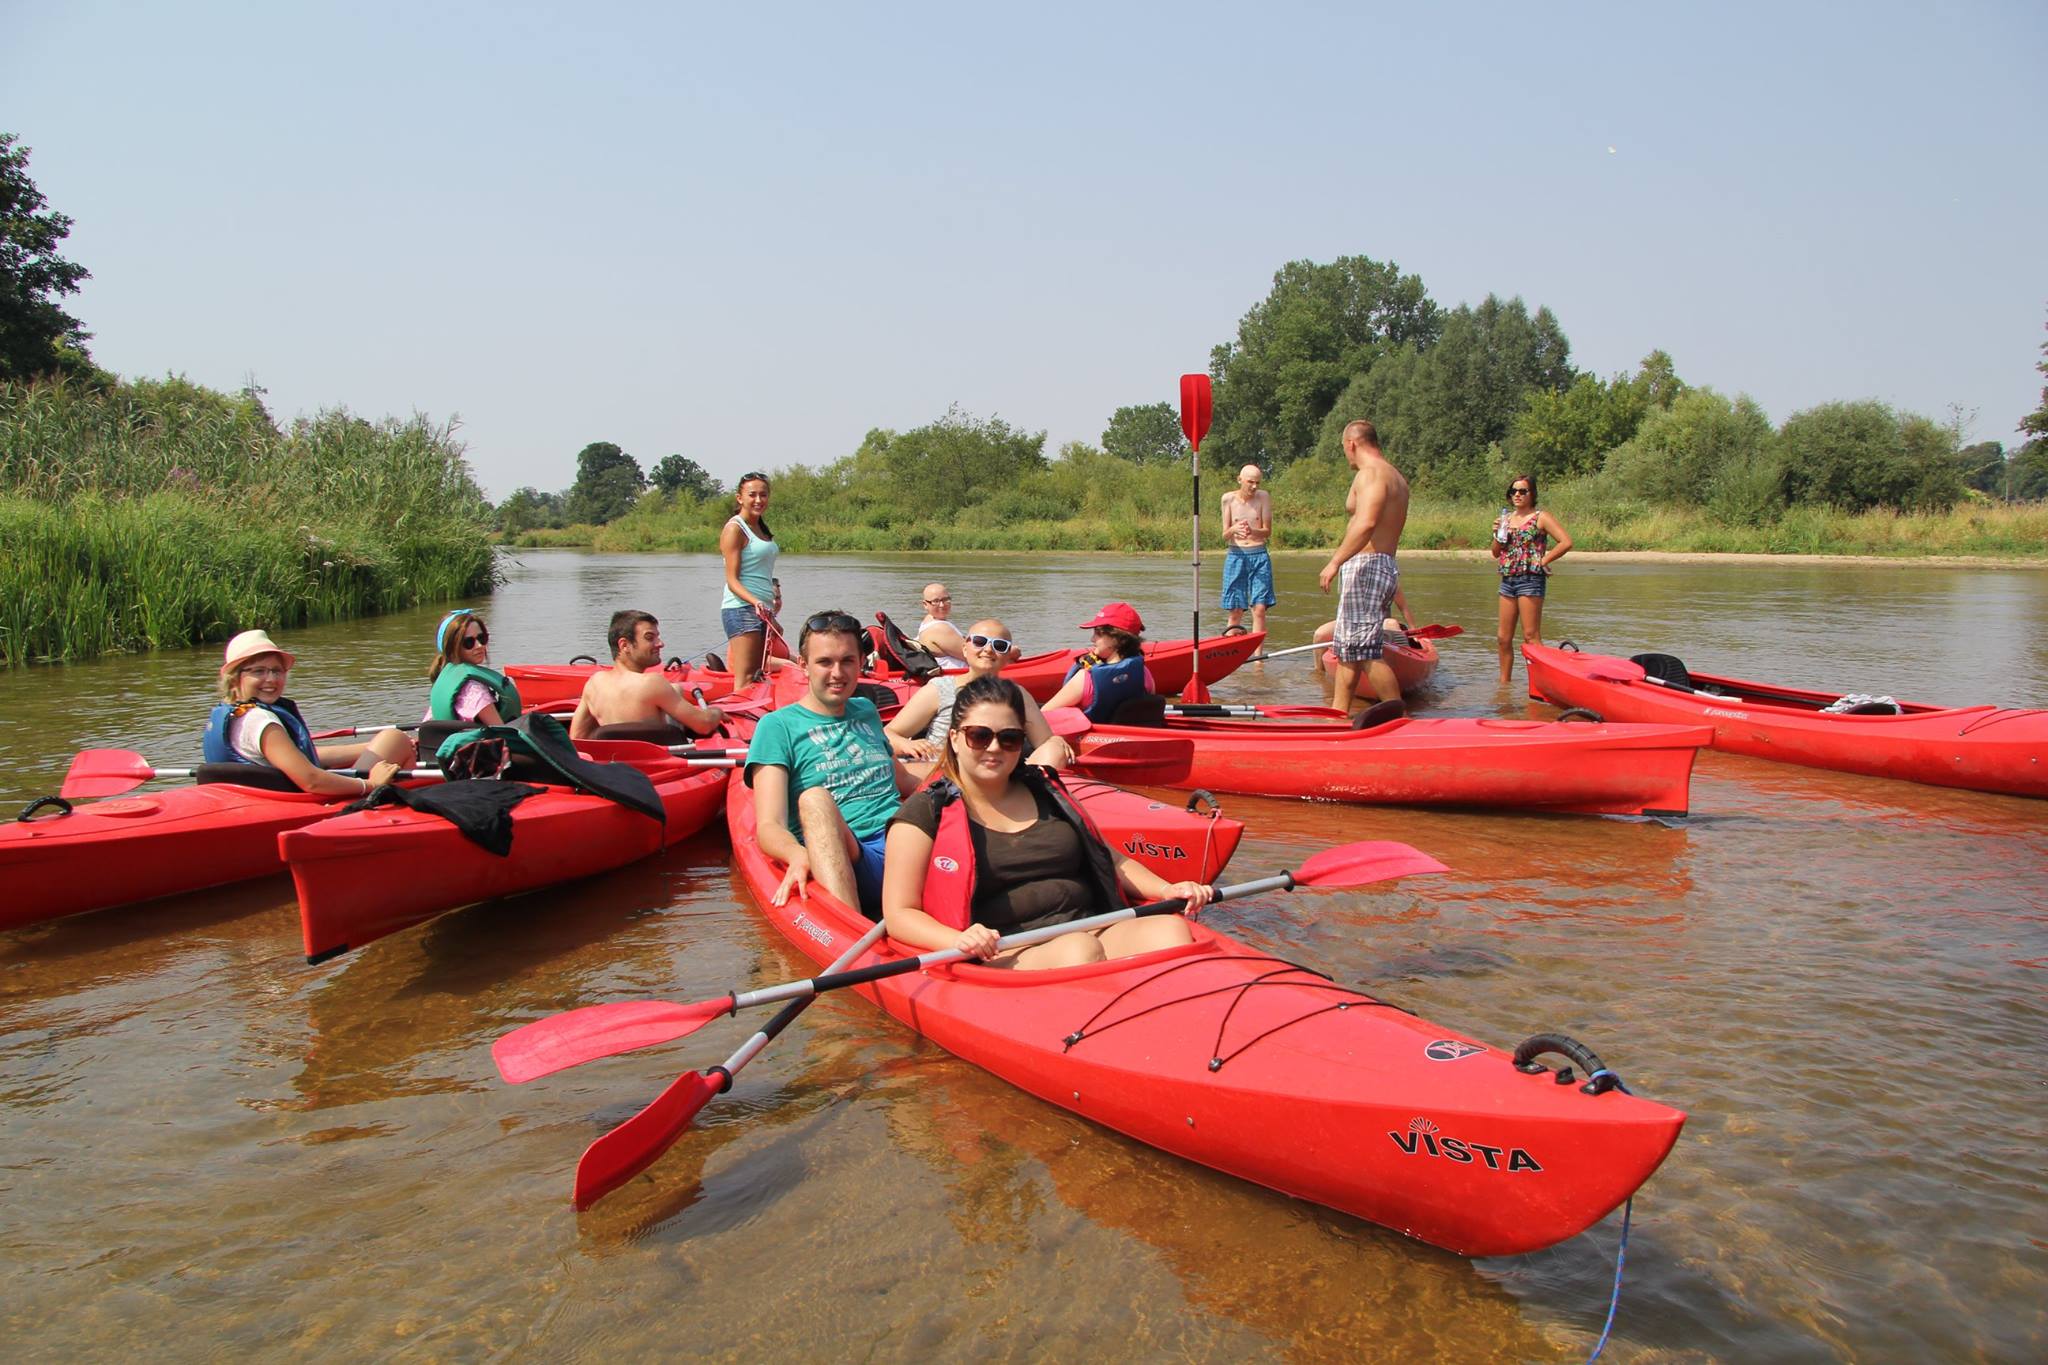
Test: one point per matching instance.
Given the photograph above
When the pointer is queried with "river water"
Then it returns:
(208, 1147)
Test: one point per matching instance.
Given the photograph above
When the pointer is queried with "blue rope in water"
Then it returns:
(1614, 1304)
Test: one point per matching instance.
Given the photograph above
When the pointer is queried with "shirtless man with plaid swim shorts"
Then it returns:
(1378, 506)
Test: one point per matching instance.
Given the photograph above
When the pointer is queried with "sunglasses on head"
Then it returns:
(979, 737)
(994, 642)
(833, 623)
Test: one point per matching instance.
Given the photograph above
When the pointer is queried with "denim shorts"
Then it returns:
(1523, 585)
(740, 621)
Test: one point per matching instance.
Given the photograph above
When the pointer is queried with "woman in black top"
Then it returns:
(1031, 866)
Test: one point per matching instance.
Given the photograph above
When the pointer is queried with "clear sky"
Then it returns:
(751, 233)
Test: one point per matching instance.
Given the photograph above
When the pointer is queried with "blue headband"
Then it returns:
(441, 631)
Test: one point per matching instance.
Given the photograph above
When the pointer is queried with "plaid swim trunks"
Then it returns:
(1368, 581)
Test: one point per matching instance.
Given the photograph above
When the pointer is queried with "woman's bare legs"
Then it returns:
(1504, 636)
(743, 655)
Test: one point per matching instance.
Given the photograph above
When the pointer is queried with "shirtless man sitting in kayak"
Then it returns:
(632, 691)
(937, 632)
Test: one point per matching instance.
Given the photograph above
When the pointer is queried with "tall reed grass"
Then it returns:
(158, 513)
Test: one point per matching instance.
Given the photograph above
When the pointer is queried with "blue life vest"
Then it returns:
(1115, 684)
(216, 749)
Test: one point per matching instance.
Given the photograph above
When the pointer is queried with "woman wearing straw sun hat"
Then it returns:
(257, 724)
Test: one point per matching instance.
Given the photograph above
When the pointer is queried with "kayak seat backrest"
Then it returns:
(261, 776)
(884, 698)
(1379, 713)
(1666, 669)
(657, 731)
(433, 733)
(1873, 708)
(1148, 710)
(904, 654)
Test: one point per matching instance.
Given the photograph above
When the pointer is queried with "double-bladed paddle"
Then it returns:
(638, 1143)
(584, 1035)
(109, 772)
(1429, 632)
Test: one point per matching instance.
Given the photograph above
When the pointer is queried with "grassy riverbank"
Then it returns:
(158, 514)
(1980, 529)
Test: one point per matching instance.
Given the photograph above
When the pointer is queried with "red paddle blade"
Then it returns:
(561, 1041)
(638, 1143)
(105, 772)
(1138, 762)
(1373, 860)
(1196, 691)
(1197, 406)
(1068, 721)
(1436, 632)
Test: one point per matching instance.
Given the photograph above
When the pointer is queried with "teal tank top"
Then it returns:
(757, 567)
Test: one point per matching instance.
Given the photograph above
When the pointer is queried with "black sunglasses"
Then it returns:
(979, 737)
(994, 642)
(1518, 492)
(482, 637)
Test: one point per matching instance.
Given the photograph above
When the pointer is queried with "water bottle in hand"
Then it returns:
(1500, 526)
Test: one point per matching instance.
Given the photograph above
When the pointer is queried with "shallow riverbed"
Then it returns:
(210, 1147)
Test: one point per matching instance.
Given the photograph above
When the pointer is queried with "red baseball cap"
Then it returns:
(1119, 615)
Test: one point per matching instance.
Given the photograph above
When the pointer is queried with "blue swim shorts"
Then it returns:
(1523, 585)
(738, 621)
(1247, 579)
(867, 874)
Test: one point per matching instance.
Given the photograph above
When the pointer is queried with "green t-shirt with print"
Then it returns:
(846, 755)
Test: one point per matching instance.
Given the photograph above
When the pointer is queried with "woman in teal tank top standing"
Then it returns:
(748, 608)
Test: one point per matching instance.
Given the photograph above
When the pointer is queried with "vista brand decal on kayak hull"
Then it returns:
(1427, 1138)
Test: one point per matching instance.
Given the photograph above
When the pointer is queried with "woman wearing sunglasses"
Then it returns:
(1521, 543)
(466, 688)
(997, 847)
(919, 729)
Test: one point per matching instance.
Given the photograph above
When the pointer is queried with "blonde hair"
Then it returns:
(229, 681)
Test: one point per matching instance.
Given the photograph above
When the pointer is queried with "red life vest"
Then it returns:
(949, 876)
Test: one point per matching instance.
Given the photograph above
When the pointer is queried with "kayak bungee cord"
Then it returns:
(1288, 974)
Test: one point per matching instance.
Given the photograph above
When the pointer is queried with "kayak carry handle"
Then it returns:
(28, 812)
(1599, 1080)
(582, 659)
(1581, 713)
(1571, 645)
(1201, 795)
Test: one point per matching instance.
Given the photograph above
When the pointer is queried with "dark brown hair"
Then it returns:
(625, 625)
(994, 690)
(749, 477)
(1529, 479)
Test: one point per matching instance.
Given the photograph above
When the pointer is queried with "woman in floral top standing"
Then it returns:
(1522, 542)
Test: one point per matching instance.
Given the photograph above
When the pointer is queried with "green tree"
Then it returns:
(1146, 435)
(679, 474)
(1570, 431)
(36, 335)
(608, 482)
(1319, 328)
(2030, 462)
(528, 509)
(1983, 467)
(946, 465)
(1862, 455)
(1704, 448)
(1440, 411)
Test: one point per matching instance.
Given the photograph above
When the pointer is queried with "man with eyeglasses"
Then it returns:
(1247, 564)
(825, 782)
(938, 634)
(1378, 508)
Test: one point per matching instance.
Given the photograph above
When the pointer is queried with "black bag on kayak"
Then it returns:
(541, 751)
(481, 809)
(902, 653)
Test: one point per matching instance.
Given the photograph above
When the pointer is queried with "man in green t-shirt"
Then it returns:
(828, 758)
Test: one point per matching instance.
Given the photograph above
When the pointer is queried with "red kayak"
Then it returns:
(137, 848)
(542, 684)
(1171, 661)
(1982, 748)
(1494, 764)
(374, 872)
(1413, 664)
(1300, 1085)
